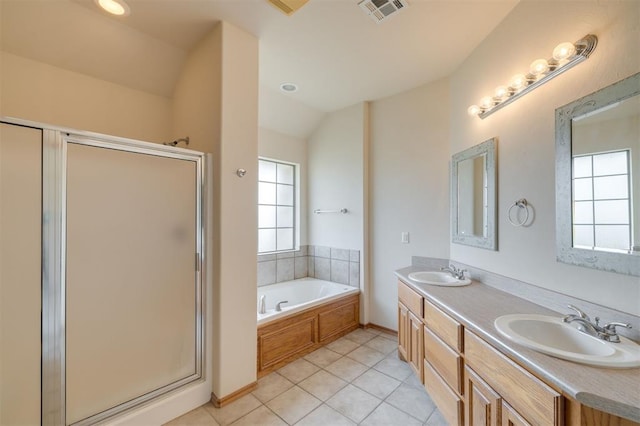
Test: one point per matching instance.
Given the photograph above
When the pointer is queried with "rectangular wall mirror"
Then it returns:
(473, 196)
(597, 161)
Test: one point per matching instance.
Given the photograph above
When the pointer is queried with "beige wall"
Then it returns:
(196, 107)
(39, 92)
(278, 146)
(216, 103)
(526, 133)
(237, 325)
(336, 175)
(409, 188)
(20, 274)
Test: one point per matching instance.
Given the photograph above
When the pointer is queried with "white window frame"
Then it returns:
(296, 207)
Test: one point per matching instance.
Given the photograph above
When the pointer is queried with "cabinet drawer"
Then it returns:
(449, 404)
(446, 361)
(529, 396)
(445, 327)
(410, 298)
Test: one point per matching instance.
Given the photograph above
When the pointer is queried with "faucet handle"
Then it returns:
(580, 312)
(609, 331)
(278, 305)
(611, 327)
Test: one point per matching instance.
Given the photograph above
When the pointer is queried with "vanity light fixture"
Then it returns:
(114, 7)
(566, 55)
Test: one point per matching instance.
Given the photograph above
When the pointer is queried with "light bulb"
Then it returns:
(115, 7)
(486, 102)
(564, 51)
(474, 110)
(518, 81)
(539, 66)
(501, 92)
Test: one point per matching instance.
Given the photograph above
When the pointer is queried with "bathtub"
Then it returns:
(318, 313)
(302, 294)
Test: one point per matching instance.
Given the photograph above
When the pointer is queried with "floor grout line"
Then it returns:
(390, 355)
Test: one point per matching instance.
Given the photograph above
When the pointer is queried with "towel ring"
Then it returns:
(521, 204)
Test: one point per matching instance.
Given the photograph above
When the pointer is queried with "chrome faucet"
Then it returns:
(263, 307)
(455, 272)
(606, 332)
(278, 307)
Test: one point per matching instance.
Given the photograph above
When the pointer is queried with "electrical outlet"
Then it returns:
(404, 237)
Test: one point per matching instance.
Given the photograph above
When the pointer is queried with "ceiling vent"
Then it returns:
(381, 10)
(288, 7)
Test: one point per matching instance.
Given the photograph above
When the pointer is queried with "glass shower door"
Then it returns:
(132, 286)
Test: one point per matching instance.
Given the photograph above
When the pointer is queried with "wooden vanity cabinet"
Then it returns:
(410, 344)
(415, 352)
(483, 404)
(446, 328)
(448, 402)
(474, 384)
(443, 364)
(523, 393)
(510, 417)
(403, 331)
(446, 361)
(470, 382)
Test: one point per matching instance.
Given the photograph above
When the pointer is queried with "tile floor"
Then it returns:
(355, 380)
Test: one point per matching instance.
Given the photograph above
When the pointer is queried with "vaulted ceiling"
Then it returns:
(331, 49)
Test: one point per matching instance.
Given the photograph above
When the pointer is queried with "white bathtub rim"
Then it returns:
(264, 319)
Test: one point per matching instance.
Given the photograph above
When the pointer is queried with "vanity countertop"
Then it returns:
(476, 306)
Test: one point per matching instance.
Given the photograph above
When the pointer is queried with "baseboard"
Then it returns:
(220, 402)
(380, 328)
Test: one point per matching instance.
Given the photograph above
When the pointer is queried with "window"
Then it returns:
(602, 201)
(277, 207)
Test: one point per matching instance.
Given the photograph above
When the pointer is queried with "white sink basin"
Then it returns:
(438, 278)
(552, 336)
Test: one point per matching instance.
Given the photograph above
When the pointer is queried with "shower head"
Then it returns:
(177, 141)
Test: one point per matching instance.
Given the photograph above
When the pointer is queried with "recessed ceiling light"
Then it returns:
(114, 7)
(289, 87)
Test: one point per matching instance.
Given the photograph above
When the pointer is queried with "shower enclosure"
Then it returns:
(101, 282)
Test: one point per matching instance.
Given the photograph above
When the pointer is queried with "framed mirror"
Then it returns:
(597, 189)
(473, 196)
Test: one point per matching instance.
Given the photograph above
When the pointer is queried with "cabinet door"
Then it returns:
(403, 324)
(415, 349)
(541, 404)
(483, 404)
(510, 417)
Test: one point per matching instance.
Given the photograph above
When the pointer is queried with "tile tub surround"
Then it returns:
(331, 387)
(280, 267)
(326, 263)
(476, 306)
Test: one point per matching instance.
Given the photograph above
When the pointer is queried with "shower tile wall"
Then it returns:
(325, 263)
